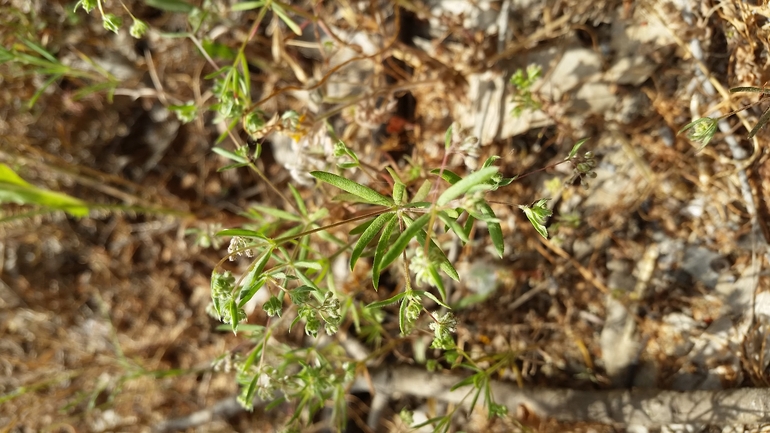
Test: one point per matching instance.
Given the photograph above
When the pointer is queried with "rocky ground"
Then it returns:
(653, 276)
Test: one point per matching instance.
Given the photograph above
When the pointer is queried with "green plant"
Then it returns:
(522, 82)
(399, 229)
(37, 60)
(702, 130)
(292, 249)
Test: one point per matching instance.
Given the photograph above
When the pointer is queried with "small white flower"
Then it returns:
(237, 243)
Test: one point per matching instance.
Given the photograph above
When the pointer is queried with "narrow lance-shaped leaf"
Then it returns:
(357, 230)
(227, 154)
(254, 280)
(277, 213)
(438, 282)
(298, 199)
(495, 231)
(241, 232)
(422, 192)
(379, 252)
(575, 149)
(403, 240)
(364, 192)
(247, 5)
(760, 123)
(278, 9)
(448, 175)
(749, 90)
(368, 236)
(16, 190)
(171, 5)
(461, 187)
(399, 190)
(385, 303)
(454, 225)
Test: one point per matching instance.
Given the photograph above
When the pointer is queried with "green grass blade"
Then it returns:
(298, 199)
(14, 189)
(385, 303)
(40, 50)
(277, 213)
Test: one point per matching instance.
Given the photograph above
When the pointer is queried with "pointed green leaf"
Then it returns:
(385, 303)
(357, 230)
(14, 189)
(575, 149)
(369, 235)
(749, 90)
(241, 232)
(364, 192)
(423, 192)
(394, 175)
(278, 9)
(277, 213)
(308, 265)
(438, 282)
(247, 5)
(399, 190)
(760, 123)
(461, 187)
(448, 175)
(171, 5)
(448, 137)
(233, 309)
(379, 252)
(495, 231)
(454, 225)
(230, 155)
(469, 225)
(254, 280)
(403, 239)
(435, 299)
(40, 50)
(298, 199)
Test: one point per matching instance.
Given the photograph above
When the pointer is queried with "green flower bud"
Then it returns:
(138, 28)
